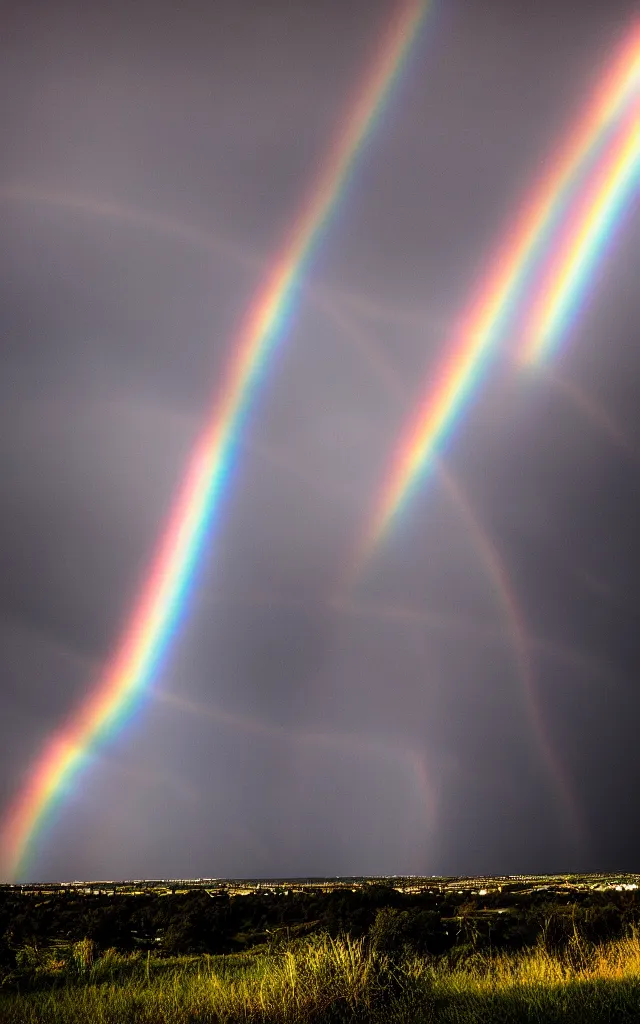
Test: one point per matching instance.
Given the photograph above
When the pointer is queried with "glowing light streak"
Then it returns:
(589, 233)
(467, 354)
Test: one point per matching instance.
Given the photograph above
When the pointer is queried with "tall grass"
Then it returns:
(585, 983)
(306, 982)
(324, 981)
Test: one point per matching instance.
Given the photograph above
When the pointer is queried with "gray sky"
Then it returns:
(153, 159)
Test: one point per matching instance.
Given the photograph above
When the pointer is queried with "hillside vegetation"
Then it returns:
(528, 954)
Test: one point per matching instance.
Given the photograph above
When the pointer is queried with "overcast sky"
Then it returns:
(153, 158)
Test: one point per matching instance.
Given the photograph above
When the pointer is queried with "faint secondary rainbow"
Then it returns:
(502, 587)
(568, 812)
(206, 239)
(592, 410)
(306, 739)
(155, 615)
(481, 327)
(585, 240)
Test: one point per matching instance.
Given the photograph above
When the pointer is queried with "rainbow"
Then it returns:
(155, 616)
(482, 325)
(589, 232)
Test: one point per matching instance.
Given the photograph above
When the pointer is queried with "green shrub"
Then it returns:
(399, 932)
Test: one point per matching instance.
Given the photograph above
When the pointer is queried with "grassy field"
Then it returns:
(324, 981)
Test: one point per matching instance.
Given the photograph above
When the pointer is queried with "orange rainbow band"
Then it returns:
(155, 616)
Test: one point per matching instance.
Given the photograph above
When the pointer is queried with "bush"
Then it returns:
(83, 955)
(400, 932)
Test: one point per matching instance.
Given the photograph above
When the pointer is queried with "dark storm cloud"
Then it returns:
(291, 731)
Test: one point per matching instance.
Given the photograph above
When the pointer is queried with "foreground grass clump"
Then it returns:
(320, 980)
(583, 985)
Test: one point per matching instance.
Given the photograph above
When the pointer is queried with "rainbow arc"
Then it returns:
(515, 267)
(155, 617)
